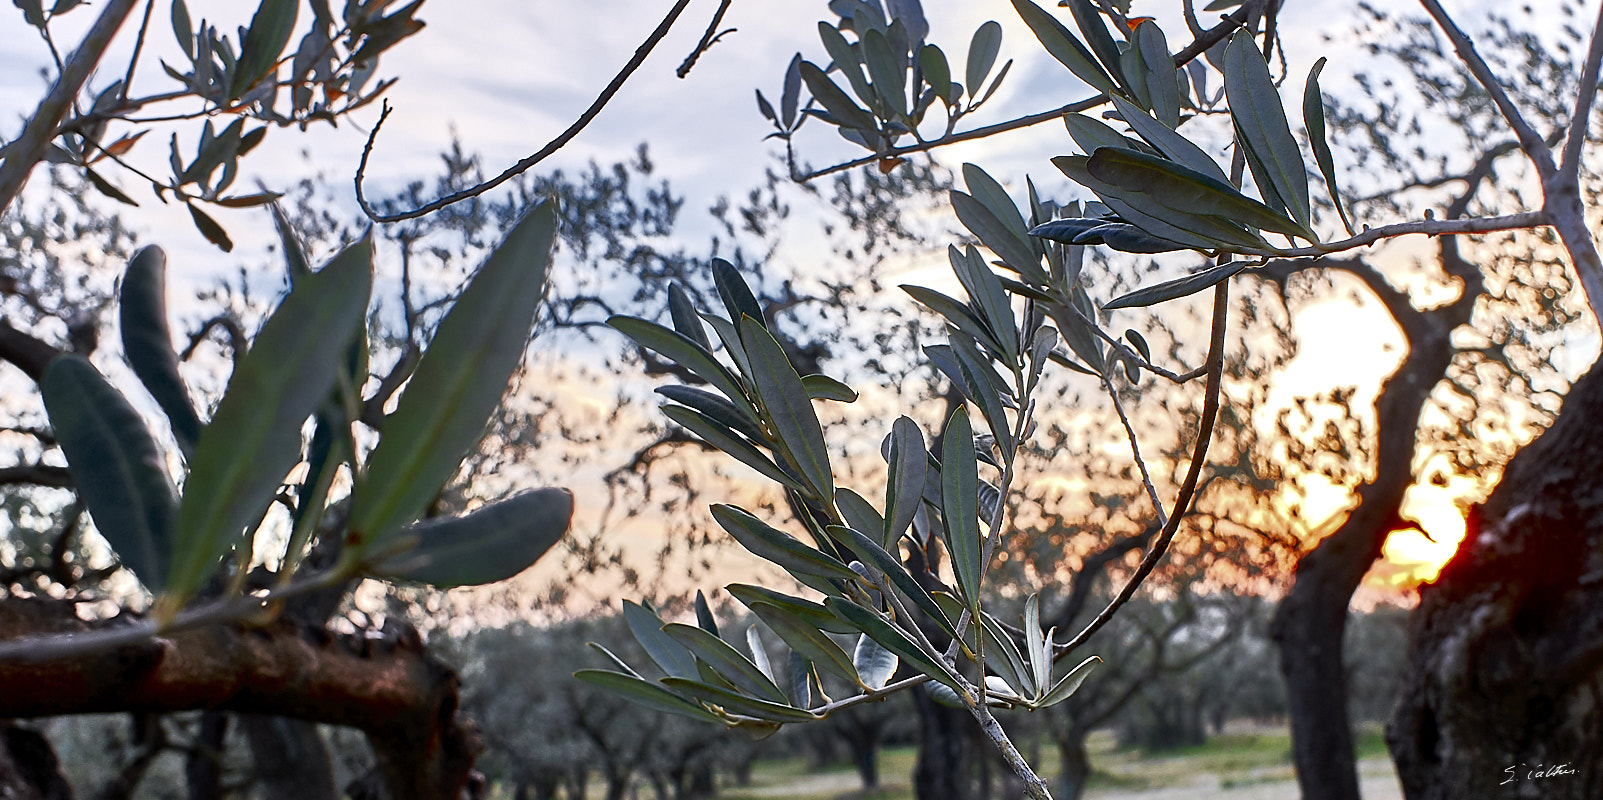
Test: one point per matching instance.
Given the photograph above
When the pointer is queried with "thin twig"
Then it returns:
(30, 146)
(139, 46)
(869, 697)
(1210, 414)
(236, 337)
(1535, 149)
(1429, 227)
(1570, 166)
(519, 168)
(708, 39)
(1135, 449)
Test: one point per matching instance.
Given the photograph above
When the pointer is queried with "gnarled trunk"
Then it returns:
(1504, 693)
(1311, 621)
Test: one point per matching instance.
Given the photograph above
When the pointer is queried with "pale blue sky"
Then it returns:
(508, 75)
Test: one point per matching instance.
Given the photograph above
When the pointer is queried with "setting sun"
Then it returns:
(1419, 558)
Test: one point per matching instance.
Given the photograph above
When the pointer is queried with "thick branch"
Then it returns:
(392, 689)
(524, 165)
(29, 148)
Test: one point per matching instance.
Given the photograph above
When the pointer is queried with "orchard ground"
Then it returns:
(1247, 762)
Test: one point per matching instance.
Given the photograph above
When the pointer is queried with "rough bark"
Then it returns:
(391, 689)
(1504, 693)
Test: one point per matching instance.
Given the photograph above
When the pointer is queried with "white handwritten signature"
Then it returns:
(1537, 772)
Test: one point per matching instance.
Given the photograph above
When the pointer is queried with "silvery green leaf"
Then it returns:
(1063, 46)
(490, 544)
(960, 506)
(1313, 117)
(1180, 287)
(669, 655)
(982, 51)
(759, 653)
(1259, 117)
(117, 467)
(874, 663)
(646, 693)
(807, 640)
(726, 661)
(789, 408)
(1068, 684)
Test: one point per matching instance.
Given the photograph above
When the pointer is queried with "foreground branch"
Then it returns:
(1428, 227)
(388, 687)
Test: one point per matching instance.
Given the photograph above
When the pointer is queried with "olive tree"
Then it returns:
(1156, 191)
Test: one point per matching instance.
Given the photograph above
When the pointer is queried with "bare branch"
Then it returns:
(29, 354)
(36, 475)
(373, 408)
(1535, 149)
(1429, 227)
(1135, 450)
(523, 166)
(29, 148)
(708, 39)
(1570, 166)
(139, 47)
(236, 337)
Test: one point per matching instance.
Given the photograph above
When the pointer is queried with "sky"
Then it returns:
(506, 75)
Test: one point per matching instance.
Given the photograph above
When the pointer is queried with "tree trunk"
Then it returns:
(149, 739)
(701, 784)
(1310, 622)
(1504, 692)
(867, 761)
(292, 761)
(203, 767)
(1075, 764)
(618, 784)
(946, 750)
(29, 769)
